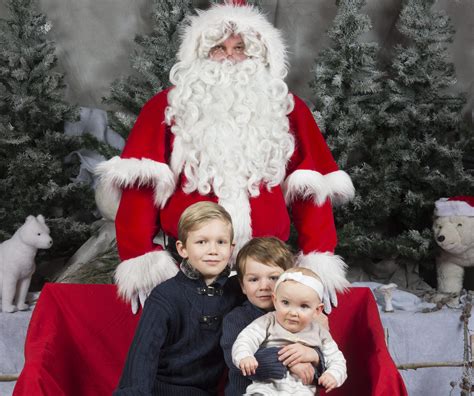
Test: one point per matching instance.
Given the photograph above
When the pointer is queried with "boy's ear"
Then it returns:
(180, 248)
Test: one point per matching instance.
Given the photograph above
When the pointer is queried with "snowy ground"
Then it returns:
(13, 327)
(412, 337)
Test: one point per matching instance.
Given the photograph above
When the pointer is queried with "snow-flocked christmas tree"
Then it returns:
(151, 63)
(397, 137)
(34, 178)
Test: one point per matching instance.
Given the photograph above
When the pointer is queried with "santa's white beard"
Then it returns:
(231, 132)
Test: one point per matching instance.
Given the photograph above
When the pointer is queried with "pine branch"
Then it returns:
(34, 177)
(151, 61)
(398, 132)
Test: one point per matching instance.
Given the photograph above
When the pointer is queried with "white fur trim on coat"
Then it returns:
(244, 19)
(329, 267)
(305, 184)
(118, 173)
(143, 273)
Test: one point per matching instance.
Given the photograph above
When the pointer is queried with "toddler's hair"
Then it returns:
(270, 251)
(199, 213)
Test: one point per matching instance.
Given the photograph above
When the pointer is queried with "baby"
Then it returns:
(297, 299)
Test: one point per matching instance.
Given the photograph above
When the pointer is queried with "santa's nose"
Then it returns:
(441, 238)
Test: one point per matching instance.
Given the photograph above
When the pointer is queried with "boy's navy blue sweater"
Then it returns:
(176, 349)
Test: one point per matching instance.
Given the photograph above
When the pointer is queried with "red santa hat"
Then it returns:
(455, 206)
(206, 29)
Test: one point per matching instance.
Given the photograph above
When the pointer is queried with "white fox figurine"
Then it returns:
(17, 261)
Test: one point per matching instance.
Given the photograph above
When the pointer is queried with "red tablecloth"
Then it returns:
(79, 336)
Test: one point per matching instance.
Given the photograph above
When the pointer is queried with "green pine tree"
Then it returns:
(347, 85)
(404, 153)
(423, 133)
(33, 176)
(151, 63)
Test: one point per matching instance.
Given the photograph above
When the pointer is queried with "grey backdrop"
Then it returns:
(95, 37)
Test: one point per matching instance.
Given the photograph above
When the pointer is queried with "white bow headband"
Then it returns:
(306, 280)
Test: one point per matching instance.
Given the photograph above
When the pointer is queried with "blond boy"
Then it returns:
(176, 349)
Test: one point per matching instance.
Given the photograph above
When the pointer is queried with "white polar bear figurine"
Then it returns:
(17, 261)
(453, 229)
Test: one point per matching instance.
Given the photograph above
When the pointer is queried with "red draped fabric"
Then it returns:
(79, 336)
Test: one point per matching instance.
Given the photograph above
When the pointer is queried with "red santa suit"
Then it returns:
(155, 190)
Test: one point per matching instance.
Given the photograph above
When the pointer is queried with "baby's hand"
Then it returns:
(248, 365)
(304, 371)
(297, 353)
(327, 381)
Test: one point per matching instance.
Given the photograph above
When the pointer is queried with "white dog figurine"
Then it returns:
(17, 261)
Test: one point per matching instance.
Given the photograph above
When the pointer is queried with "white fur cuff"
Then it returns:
(143, 273)
(329, 267)
(306, 184)
(118, 173)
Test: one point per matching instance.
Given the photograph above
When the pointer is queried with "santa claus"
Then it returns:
(228, 131)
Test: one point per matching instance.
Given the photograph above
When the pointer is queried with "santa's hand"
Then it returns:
(332, 271)
(137, 277)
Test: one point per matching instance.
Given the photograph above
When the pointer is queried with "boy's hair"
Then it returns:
(199, 213)
(269, 251)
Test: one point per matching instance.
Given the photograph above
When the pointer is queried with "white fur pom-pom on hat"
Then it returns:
(461, 205)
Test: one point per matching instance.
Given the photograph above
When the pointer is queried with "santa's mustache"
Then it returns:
(223, 73)
(226, 87)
